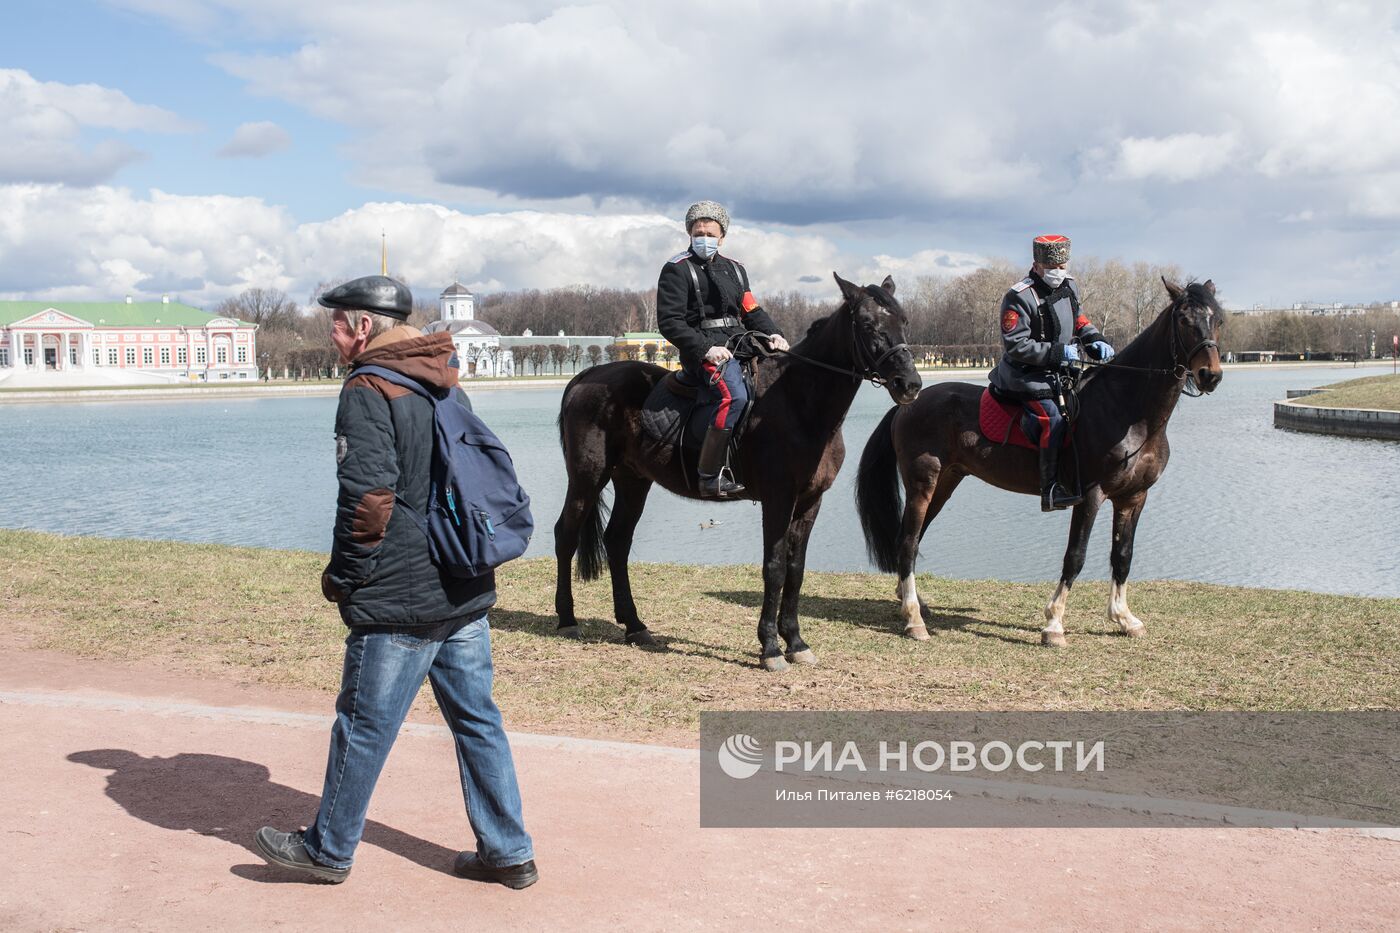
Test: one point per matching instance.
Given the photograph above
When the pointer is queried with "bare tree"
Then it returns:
(557, 354)
(595, 354)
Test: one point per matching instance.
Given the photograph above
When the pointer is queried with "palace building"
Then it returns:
(76, 343)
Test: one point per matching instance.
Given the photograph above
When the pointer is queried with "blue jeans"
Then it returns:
(723, 387)
(382, 674)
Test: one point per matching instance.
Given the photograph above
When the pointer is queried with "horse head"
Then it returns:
(878, 344)
(1196, 320)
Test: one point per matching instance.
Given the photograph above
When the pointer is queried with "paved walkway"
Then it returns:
(131, 797)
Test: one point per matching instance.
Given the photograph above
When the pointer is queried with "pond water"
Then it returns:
(1240, 503)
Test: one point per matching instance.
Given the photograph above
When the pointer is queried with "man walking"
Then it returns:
(408, 620)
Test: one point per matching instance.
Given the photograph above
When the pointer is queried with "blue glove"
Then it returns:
(1071, 353)
(1101, 350)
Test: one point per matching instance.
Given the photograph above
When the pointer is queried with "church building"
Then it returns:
(479, 349)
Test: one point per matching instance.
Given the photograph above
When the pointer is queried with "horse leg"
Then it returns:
(799, 533)
(777, 519)
(1125, 518)
(922, 505)
(1080, 526)
(629, 498)
(580, 505)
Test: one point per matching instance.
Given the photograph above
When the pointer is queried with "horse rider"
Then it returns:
(702, 300)
(1041, 322)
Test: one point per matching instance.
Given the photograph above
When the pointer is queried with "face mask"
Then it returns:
(1055, 277)
(704, 246)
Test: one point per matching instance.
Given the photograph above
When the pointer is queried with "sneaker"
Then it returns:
(289, 851)
(469, 865)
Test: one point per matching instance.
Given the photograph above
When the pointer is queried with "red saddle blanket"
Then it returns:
(1000, 422)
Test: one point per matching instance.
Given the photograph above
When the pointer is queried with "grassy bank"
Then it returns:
(258, 615)
(1380, 392)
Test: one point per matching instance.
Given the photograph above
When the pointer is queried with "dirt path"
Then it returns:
(131, 796)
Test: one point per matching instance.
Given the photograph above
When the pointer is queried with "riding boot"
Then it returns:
(714, 482)
(1052, 495)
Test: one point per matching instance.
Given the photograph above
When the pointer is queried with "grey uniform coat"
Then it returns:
(1036, 323)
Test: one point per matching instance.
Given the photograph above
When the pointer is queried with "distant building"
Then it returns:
(75, 343)
(479, 350)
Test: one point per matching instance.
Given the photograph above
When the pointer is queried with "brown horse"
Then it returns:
(790, 454)
(1120, 438)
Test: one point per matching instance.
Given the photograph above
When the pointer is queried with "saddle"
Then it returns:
(999, 420)
(672, 416)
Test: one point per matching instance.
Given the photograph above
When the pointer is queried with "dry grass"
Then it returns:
(1378, 392)
(258, 615)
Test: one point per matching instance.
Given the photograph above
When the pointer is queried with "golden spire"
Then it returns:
(383, 254)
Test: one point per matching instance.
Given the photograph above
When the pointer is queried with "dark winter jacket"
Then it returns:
(692, 290)
(380, 573)
(1036, 323)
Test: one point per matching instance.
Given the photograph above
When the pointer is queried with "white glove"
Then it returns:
(777, 342)
(717, 355)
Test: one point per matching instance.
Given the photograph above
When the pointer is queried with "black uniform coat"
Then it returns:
(718, 288)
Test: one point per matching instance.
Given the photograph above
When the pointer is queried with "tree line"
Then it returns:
(952, 320)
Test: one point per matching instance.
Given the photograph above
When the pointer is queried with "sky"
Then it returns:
(200, 147)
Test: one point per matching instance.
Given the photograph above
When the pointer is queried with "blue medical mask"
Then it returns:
(704, 246)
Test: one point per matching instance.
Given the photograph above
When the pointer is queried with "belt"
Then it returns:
(716, 323)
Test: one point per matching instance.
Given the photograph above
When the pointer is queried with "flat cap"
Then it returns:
(378, 294)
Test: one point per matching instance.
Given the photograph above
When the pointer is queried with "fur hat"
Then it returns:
(1051, 250)
(708, 210)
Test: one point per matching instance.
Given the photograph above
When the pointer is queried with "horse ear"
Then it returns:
(888, 284)
(849, 290)
(1176, 291)
(1209, 286)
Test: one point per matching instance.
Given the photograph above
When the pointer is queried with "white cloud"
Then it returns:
(1182, 157)
(94, 243)
(253, 140)
(44, 123)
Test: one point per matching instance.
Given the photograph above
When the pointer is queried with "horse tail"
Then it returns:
(592, 555)
(879, 498)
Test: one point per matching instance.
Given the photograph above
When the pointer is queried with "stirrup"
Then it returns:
(719, 486)
(1057, 497)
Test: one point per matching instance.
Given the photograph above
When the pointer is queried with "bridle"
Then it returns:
(1180, 361)
(869, 368)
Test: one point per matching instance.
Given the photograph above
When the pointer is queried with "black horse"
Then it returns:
(1120, 438)
(790, 455)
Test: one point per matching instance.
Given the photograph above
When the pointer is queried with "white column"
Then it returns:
(63, 350)
(16, 349)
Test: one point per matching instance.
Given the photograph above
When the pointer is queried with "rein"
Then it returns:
(870, 370)
(1179, 363)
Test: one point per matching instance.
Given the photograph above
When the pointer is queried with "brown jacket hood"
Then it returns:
(429, 358)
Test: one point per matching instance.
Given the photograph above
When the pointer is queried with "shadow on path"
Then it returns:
(229, 799)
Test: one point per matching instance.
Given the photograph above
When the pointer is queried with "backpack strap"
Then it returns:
(397, 378)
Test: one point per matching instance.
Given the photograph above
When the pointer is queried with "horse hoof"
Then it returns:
(641, 639)
(805, 656)
(916, 632)
(775, 664)
(1136, 631)
(568, 631)
(1053, 639)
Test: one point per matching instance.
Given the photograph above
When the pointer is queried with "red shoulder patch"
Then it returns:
(749, 303)
(1009, 319)
(1081, 322)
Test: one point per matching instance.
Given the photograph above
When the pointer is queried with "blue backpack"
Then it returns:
(478, 516)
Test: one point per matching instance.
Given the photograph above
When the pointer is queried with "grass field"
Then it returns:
(1380, 392)
(258, 615)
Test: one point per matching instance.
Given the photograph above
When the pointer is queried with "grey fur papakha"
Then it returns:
(1051, 250)
(708, 210)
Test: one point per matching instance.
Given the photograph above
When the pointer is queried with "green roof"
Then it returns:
(113, 313)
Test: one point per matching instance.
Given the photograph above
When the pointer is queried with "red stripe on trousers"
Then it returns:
(721, 410)
(1043, 417)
